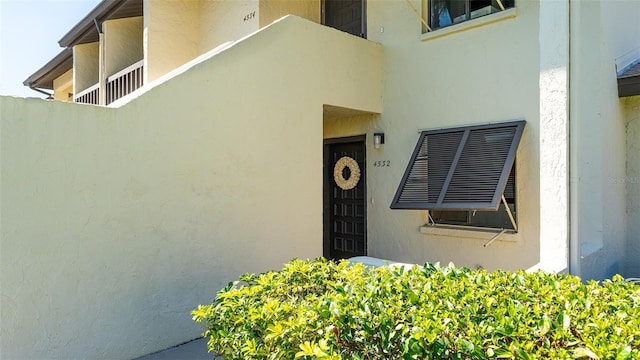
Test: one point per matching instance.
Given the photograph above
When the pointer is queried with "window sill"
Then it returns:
(468, 232)
(470, 24)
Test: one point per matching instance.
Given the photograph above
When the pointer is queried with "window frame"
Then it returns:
(505, 9)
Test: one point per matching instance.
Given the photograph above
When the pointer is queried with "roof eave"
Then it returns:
(43, 78)
(87, 24)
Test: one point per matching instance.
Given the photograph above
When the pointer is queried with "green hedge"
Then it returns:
(325, 310)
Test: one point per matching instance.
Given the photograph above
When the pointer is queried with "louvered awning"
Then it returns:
(464, 168)
(629, 80)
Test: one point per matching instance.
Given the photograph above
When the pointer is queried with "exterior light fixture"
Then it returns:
(378, 139)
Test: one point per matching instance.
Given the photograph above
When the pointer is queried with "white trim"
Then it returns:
(126, 70)
(470, 24)
(87, 90)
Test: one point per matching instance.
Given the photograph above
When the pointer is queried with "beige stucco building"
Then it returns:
(227, 137)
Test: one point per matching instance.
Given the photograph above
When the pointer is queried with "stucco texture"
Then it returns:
(123, 43)
(86, 66)
(632, 183)
(171, 35)
(602, 33)
(271, 10)
(116, 222)
(63, 86)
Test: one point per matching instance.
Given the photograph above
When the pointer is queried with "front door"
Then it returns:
(345, 208)
(346, 15)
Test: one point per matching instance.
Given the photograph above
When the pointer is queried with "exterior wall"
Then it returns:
(485, 74)
(118, 221)
(222, 21)
(86, 65)
(170, 35)
(272, 10)
(123, 43)
(63, 86)
(632, 182)
(553, 84)
(602, 34)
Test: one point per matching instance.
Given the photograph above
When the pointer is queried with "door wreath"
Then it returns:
(352, 165)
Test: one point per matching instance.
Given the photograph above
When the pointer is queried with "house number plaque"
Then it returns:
(382, 163)
(250, 16)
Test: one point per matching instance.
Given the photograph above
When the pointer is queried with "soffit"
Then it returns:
(629, 81)
(85, 31)
(43, 78)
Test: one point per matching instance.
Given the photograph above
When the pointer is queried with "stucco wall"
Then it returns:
(222, 21)
(123, 43)
(485, 74)
(271, 10)
(170, 35)
(632, 183)
(63, 86)
(440, 82)
(86, 61)
(553, 87)
(116, 222)
(602, 34)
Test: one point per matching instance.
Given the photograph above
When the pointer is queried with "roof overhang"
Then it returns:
(629, 80)
(86, 31)
(43, 78)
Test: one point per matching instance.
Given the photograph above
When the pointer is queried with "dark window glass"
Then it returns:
(448, 12)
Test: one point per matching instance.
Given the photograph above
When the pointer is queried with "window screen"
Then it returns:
(460, 169)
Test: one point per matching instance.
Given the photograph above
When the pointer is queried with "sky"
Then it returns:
(29, 34)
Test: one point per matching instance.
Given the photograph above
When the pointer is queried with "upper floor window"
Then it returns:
(442, 13)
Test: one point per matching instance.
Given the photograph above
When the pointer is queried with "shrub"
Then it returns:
(325, 310)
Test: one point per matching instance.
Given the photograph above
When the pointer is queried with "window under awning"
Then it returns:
(465, 168)
(629, 81)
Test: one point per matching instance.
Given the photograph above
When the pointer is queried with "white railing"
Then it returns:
(124, 82)
(89, 96)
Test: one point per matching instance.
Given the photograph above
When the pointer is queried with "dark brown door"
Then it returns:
(345, 15)
(345, 230)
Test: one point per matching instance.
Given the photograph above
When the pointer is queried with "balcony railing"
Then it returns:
(124, 82)
(89, 96)
(120, 84)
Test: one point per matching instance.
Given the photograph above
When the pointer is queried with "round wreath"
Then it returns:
(352, 181)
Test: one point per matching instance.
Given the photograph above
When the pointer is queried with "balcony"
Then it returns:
(118, 85)
(89, 96)
(125, 82)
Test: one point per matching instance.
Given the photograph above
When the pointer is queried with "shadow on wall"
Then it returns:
(632, 180)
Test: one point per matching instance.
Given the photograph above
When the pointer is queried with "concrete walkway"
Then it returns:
(193, 350)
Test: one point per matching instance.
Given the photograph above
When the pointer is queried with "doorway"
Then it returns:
(345, 207)
(346, 15)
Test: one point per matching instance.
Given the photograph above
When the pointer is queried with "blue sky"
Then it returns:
(29, 34)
